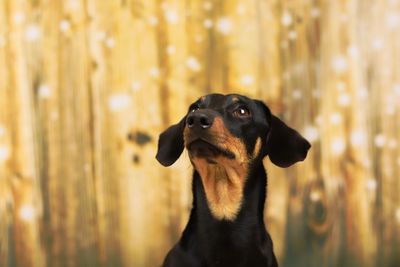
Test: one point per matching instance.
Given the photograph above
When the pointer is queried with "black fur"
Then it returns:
(170, 144)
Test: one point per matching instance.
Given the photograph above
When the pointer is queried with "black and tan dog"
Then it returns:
(227, 137)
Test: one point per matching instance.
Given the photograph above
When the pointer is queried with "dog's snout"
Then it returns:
(199, 120)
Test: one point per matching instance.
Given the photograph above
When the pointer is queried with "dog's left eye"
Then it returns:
(241, 112)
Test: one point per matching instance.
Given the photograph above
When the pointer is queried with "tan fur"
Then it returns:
(257, 147)
(235, 99)
(224, 181)
(225, 140)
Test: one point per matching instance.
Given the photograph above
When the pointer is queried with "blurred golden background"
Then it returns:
(86, 86)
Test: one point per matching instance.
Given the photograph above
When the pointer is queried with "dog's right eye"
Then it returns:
(241, 112)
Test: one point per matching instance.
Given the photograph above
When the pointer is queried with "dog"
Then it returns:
(227, 137)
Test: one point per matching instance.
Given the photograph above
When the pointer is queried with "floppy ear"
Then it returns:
(170, 144)
(285, 146)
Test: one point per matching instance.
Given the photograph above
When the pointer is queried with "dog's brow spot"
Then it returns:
(235, 99)
(203, 98)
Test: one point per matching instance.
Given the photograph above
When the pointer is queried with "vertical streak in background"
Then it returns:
(198, 48)
(109, 160)
(163, 61)
(23, 171)
(48, 130)
(356, 174)
(6, 242)
(95, 204)
(162, 41)
(218, 46)
(95, 69)
(383, 80)
(22, 164)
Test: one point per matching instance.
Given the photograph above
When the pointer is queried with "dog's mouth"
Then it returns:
(204, 149)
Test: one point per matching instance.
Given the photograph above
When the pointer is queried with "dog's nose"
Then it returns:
(199, 120)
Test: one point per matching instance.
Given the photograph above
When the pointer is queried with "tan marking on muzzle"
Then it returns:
(225, 140)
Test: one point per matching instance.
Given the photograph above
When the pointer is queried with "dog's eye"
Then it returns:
(241, 112)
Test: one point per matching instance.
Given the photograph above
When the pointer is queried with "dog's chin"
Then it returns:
(203, 149)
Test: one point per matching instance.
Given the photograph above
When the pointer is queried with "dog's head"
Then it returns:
(224, 135)
(231, 128)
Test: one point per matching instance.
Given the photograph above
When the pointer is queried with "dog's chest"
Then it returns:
(234, 258)
(231, 247)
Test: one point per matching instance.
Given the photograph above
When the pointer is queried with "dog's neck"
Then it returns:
(223, 182)
(245, 205)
